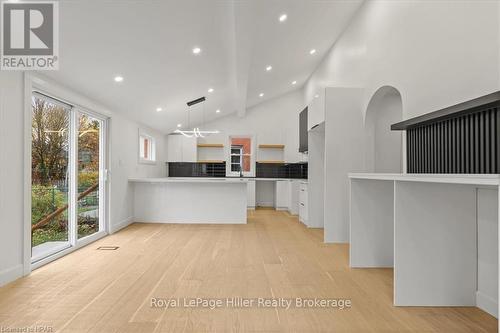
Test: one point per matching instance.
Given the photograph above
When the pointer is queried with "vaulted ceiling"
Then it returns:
(150, 44)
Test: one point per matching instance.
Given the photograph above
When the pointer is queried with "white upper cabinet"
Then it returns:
(316, 110)
(181, 149)
(189, 149)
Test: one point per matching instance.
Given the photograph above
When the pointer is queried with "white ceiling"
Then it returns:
(150, 44)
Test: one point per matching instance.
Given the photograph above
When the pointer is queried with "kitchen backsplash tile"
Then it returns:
(282, 170)
(263, 170)
(188, 169)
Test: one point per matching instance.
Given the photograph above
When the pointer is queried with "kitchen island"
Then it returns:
(438, 231)
(190, 200)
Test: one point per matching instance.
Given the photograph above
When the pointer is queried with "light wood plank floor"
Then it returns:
(272, 256)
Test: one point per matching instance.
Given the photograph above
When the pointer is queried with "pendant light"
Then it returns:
(196, 131)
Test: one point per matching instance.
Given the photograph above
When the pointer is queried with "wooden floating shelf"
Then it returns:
(272, 162)
(272, 146)
(210, 145)
(211, 161)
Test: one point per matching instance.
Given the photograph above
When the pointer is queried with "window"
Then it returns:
(147, 148)
(241, 158)
(236, 158)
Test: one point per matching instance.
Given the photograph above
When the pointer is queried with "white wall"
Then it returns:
(11, 175)
(344, 144)
(487, 250)
(123, 165)
(434, 53)
(383, 146)
(316, 177)
(272, 122)
(264, 194)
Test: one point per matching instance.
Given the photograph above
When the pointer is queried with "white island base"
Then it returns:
(190, 200)
(439, 232)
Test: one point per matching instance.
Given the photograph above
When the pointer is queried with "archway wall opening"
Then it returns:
(384, 148)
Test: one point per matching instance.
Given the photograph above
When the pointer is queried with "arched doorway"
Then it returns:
(383, 152)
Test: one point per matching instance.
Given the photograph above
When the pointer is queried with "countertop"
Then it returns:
(189, 180)
(207, 179)
(467, 179)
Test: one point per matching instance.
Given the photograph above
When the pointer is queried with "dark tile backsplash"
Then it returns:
(282, 170)
(187, 169)
(263, 170)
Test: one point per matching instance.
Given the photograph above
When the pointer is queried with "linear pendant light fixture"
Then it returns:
(195, 132)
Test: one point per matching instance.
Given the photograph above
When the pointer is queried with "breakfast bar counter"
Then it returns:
(190, 200)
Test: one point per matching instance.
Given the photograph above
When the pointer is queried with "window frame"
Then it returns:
(151, 151)
(252, 155)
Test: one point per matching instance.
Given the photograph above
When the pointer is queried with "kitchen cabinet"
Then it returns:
(316, 110)
(293, 195)
(189, 149)
(282, 194)
(181, 148)
(251, 194)
(303, 135)
(303, 203)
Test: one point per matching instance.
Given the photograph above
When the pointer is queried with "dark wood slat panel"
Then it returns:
(469, 143)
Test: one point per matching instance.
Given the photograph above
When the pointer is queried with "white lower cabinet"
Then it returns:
(251, 194)
(293, 201)
(303, 203)
(282, 194)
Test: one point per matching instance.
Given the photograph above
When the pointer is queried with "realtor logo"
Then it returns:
(30, 35)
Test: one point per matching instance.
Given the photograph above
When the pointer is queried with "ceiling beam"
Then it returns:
(243, 28)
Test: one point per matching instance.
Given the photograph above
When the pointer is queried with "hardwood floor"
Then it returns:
(272, 256)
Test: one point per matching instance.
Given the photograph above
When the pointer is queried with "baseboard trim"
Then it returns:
(487, 304)
(121, 225)
(10, 274)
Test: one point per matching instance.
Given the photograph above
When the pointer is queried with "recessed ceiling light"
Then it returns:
(217, 111)
(294, 82)
(118, 78)
(312, 51)
(283, 17)
(261, 95)
(211, 90)
(268, 68)
(179, 125)
(196, 50)
(159, 109)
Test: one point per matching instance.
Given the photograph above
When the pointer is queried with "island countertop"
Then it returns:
(208, 179)
(189, 180)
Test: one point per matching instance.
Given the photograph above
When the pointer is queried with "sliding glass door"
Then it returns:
(89, 175)
(50, 174)
(68, 192)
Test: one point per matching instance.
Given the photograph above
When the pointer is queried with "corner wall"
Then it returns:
(11, 175)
